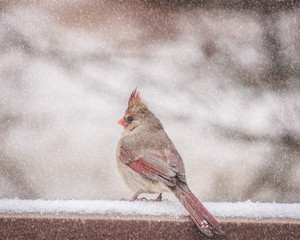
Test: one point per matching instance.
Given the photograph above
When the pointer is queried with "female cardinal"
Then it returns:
(149, 162)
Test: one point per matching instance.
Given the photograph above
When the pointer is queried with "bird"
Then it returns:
(149, 163)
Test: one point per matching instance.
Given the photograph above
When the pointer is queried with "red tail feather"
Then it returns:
(213, 222)
(203, 219)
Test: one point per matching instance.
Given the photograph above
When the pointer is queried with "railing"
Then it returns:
(23, 219)
(138, 227)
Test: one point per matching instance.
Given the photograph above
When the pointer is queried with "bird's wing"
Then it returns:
(164, 165)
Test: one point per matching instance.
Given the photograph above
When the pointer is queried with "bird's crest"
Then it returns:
(135, 98)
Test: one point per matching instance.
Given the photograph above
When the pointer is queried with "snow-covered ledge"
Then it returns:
(102, 219)
(246, 209)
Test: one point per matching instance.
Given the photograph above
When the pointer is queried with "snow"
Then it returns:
(66, 78)
(246, 209)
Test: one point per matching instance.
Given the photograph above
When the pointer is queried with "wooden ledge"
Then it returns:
(95, 226)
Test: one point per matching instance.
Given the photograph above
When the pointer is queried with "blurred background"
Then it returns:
(223, 77)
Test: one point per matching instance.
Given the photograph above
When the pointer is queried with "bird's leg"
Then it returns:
(159, 198)
(135, 196)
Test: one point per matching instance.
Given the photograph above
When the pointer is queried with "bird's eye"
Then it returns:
(129, 119)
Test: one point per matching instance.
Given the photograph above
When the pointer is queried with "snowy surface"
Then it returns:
(221, 209)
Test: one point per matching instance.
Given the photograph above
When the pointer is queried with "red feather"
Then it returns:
(203, 219)
(195, 212)
(135, 98)
(152, 164)
(141, 167)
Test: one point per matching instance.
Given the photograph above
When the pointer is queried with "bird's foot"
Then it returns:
(140, 199)
(135, 199)
(159, 198)
(135, 196)
(124, 199)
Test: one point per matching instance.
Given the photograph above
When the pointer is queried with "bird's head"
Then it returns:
(137, 113)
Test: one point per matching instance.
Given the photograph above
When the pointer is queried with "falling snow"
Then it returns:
(228, 100)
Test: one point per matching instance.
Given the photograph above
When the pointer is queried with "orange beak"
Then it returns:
(122, 122)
